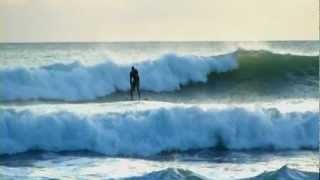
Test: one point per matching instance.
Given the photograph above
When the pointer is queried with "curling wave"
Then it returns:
(74, 82)
(239, 74)
(150, 132)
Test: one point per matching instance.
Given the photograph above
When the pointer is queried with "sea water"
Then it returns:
(209, 110)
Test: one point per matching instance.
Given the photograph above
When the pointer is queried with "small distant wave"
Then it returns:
(177, 174)
(153, 131)
(169, 173)
(74, 82)
(287, 173)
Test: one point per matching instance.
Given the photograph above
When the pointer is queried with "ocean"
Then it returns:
(208, 110)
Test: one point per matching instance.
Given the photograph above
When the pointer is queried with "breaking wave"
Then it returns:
(150, 132)
(73, 82)
(287, 173)
(178, 173)
(169, 173)
(241, 72)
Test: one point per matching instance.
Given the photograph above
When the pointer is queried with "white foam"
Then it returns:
(78, 82)
(283, 106)
(288, 173)
(154, 130)
(177, 173)
(169, 173)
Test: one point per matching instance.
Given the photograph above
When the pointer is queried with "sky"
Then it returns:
(158, 20)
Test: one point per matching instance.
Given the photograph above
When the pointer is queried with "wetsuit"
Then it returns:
(134, 82)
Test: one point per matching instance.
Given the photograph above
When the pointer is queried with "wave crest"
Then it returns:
(150, 132)
(177, 173)
(74, 82)
(169, 173)
(287, 173)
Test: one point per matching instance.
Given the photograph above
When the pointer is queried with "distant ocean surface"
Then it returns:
(209, 110)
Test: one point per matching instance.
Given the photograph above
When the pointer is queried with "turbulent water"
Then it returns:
(209, 110)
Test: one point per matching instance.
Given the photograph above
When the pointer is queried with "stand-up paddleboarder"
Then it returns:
(134, 82)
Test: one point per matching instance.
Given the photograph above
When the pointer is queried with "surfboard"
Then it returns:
(144, 99)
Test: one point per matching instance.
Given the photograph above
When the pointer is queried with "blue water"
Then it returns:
(217, 110)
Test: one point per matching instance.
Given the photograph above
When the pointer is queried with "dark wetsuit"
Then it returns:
(134, 82)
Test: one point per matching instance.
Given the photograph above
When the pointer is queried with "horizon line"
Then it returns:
(151, 41)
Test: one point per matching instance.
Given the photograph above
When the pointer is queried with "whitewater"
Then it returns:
(165, 127)
(209, 110)
(78, 82)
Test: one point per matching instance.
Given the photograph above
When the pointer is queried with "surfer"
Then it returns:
(134, 82)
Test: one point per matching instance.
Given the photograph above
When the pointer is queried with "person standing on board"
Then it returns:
(134, 82)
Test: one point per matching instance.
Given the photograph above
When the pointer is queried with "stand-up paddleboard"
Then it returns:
(143, 99)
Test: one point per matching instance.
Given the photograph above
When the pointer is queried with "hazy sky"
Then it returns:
(164, 20)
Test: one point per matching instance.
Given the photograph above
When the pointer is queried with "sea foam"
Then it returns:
(152, 131)
(177, 173)
(73, 82)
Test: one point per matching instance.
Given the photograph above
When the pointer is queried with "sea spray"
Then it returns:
(72, 82)
(149, 132)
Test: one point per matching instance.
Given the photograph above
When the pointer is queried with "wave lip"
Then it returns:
(73, 82)
(150, 132)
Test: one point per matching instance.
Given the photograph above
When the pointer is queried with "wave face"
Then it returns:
(169, 173)
(74, 82)
(261, 74)
(243, 73)
(287, 173)
(153, 131)
(264, 65)
(282, 173)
